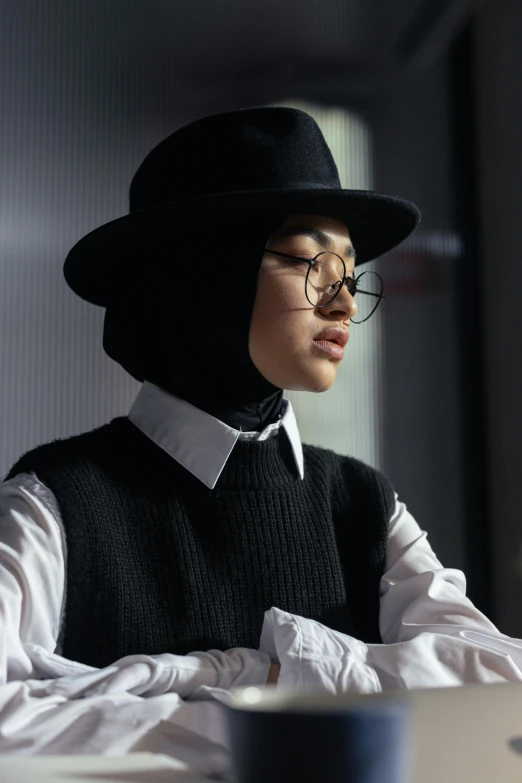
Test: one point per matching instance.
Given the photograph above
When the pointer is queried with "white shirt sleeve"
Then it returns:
(32, 574)
(47, 701)
(32, 600)
(433, 635)
(417, 593)
(432, 632)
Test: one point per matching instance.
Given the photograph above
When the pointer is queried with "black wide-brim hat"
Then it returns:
(246, 162)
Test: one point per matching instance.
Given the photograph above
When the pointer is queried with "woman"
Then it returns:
(179, 527)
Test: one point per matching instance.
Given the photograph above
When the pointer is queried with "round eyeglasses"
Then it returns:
(325, 277)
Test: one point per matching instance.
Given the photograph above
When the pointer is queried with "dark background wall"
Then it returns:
(87, 89)
(424, 447)
(497, 66)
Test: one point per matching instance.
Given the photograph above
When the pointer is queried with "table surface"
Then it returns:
(461, 735)
(134, 768)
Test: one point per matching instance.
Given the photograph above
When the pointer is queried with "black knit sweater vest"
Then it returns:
(156, 562)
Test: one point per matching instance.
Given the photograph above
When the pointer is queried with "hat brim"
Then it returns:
(98, 266)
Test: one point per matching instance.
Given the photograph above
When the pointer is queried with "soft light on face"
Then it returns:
(284, 324)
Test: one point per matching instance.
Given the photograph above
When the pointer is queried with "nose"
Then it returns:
(342, 308)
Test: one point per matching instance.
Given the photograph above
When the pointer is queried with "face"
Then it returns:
(285, 330)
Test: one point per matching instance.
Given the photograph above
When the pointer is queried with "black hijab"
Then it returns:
(185, 325)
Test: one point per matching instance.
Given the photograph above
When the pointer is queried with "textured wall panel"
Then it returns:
(77, 118)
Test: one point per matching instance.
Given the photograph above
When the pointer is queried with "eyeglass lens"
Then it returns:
(323, 279)
(368, 294)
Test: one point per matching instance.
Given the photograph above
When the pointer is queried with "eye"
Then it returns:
(305, 261)
(315, 263)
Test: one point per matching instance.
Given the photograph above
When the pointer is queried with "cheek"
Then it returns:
(279, 314)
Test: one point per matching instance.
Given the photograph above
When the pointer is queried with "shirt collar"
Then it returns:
(195, 439)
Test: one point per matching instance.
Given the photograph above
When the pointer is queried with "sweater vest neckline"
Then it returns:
(252, 464)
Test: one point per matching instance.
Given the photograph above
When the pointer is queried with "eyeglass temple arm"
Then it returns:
(361, 291)
(370, 293)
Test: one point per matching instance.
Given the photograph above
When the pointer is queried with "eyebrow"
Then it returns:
(318, 236)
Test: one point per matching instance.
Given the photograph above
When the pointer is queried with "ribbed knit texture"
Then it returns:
(156, 562)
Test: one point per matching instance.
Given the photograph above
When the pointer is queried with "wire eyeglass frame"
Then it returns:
(352, 284)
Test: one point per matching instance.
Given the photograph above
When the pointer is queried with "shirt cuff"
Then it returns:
(314, 658)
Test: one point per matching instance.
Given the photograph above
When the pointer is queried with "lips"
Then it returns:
(333, 335)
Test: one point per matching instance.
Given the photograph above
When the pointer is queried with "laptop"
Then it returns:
(468, 734)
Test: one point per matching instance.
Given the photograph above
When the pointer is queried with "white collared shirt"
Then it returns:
(432, 633)
(198, 441)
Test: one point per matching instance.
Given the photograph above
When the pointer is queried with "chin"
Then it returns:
(309, 376)
(322, 387)
(315, 382)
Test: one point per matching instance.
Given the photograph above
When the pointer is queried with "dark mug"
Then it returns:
(277, 737)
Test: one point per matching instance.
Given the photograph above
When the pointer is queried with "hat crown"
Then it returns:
(265, 149)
